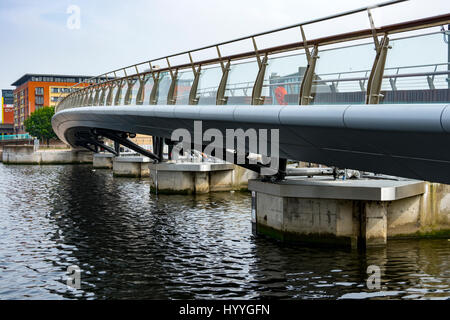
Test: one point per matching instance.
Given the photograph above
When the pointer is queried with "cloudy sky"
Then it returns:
(35, 37)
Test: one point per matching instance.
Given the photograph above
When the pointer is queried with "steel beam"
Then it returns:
(121, 138)
(220, 98)
(306, 87)
(257, 98)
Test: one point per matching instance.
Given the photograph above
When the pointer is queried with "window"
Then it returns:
(55, 90)
(39, 100)
(39, 91)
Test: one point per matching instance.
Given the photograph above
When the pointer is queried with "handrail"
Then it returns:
(249, 85)
(361, 34)
(403, 75)
(338, 15)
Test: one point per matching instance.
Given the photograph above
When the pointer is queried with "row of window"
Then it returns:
(53, 79)
(62, 90)
(63, 79)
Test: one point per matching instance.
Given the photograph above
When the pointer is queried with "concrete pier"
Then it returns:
(131, 166)
(26, 155)
(103, 161)
(351, 212)
(198, 177)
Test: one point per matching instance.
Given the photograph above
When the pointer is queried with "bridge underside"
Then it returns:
(403, 140)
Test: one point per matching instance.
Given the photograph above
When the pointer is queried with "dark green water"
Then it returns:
(131, 244)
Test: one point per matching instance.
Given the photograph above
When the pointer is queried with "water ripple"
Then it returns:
(131, 244)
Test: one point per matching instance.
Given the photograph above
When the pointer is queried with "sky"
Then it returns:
(42, 37)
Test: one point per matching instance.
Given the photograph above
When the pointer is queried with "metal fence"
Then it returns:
(25, 136)
(390, 70)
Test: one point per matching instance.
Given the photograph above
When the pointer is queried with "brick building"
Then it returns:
(34, 91)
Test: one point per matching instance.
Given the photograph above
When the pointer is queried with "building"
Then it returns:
(7, 112)
(34, 91)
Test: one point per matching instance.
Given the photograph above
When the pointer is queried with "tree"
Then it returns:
(39, 124)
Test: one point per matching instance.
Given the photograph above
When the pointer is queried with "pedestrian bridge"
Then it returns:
(375, 99)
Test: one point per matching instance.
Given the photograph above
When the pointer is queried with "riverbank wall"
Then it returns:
(26, 154)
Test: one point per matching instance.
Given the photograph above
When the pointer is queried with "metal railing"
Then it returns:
(25, 136)
(108, 88)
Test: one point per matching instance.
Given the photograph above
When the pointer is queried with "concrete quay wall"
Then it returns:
(26, 155)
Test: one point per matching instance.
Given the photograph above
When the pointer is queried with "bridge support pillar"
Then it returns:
(197, 177)
(374, 223)
(352, 213)
(103, 160)
(131, 166)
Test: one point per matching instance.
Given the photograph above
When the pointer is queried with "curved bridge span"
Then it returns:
(377, 100)
(405, 140)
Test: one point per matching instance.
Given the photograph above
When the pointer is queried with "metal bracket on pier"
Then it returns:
(281, 174)
(256, 167)
(158, 147)
(86, 141)
(102, 145)
(121, 137)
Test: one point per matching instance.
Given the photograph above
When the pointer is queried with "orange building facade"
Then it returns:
(34, 91)
(6, 112)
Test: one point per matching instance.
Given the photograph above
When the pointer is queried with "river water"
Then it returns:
(129, 243)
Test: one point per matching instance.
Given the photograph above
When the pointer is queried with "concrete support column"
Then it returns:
(197, 177)
(103, 161)
(345, 213)
(375, 224)
(131, 166)
(201, 183)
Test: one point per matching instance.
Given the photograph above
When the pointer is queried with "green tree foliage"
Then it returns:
(39, 124)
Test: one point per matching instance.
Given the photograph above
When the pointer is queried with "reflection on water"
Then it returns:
(131, 244)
